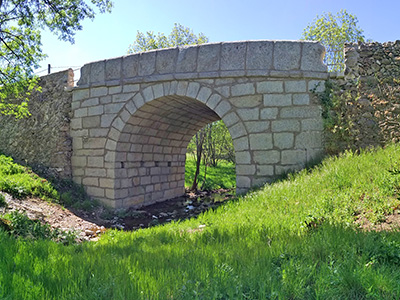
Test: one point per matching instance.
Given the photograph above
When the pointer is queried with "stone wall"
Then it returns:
(43, 140)
(369, 96)
(133, 116)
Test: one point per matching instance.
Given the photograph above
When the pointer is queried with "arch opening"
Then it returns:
(210, 159)
(151, 151)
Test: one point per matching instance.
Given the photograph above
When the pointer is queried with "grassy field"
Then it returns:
(221, 176)
(295, 239)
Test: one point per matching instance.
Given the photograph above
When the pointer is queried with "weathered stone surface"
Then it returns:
(269, 113)
(278, 100)
(242, 89)
(257, 126)
(301, 99)
(249, 114)
(265, 170)
(230, 119)
(296, 86)
(245, 170)
(316, 85)
(243, 182)
(259, 55)
(246, 101)
(243, 157)
(43, 140)
(241, 144)
(130, 66)
(292, 157)
(269, 87)
(287, 55)
(187, 59)
(209, 58)
(97, 72)
(311, 139)
(266, 157)
(283, 140)
(113, 68)
(300, 112)
(147, 63)
(285, 125)
(166, 61)
(312, 58)
(233, 56)
(312, 124)
(260, 141)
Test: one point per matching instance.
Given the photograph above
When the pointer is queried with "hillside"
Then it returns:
(326, 233)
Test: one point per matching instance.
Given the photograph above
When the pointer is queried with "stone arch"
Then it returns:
(147, 141)
(260, 89)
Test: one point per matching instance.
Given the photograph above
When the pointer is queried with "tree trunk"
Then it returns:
(199, 151)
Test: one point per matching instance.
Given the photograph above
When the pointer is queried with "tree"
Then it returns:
(333, 31)
(21, 22)
(179, 36)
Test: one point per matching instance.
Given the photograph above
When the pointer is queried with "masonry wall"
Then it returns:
(370, 95)
(133, 116)
(43, 140)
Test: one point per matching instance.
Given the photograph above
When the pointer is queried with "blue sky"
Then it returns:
(109, 35)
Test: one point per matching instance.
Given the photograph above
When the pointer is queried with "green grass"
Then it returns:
(294, 239)
(20, 182)
(221, 176)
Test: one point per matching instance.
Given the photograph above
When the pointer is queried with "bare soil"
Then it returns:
(89, 225)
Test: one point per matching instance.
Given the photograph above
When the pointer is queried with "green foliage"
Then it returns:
(74, 196)
(258, 247)
(333, 31)
(21, 226)
(179, 36)
(20, 42)
(211, 144)
(20, 182)
(338, 123)
(3, 202)
(220, 176)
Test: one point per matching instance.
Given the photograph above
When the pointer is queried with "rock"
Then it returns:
(89, 232)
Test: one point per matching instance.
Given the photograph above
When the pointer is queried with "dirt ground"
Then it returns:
(89, 226)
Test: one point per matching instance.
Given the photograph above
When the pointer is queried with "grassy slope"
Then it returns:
(258, 247)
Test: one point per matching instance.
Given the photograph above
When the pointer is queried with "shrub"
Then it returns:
(3, 202)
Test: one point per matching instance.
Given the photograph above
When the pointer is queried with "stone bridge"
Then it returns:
(133, 116)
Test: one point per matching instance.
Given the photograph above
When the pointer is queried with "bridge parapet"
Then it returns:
(284, 59)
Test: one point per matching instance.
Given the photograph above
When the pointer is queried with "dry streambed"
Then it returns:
(89, 225)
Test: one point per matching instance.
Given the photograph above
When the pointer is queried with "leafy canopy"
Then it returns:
(179, 36)
(21, 22)
(333, 31)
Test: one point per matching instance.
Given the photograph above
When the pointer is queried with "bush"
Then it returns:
(3, 202)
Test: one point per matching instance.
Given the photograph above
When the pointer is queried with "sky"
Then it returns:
(109, 35)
